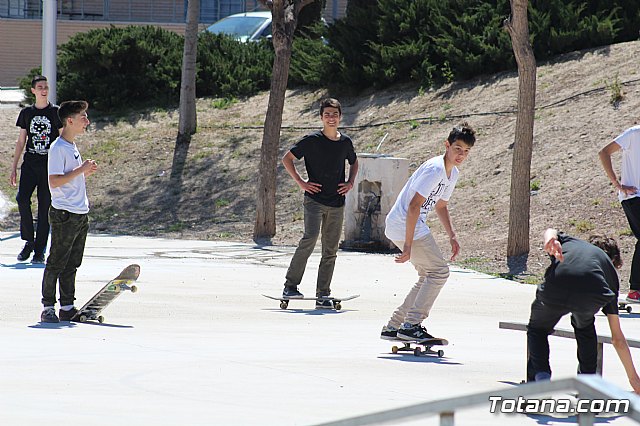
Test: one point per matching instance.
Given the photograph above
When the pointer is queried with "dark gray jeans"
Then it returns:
(543, 319)
(631, 208)
(68, 237)
(317, 218)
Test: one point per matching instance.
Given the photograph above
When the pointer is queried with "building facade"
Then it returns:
(21, 23)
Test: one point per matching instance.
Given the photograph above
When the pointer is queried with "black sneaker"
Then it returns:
(67, 315)
(389, 333)
(413, 332)
(26, 252)
(49, 315)
(38, 258)
(324, 304)
(292, 293)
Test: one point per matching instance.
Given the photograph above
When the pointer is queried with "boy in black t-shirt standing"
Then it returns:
(39, 127)
(324, 154)
(581, 280)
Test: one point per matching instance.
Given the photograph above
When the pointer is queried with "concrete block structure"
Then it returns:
(379, 181)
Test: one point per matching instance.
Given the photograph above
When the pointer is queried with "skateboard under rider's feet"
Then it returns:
(337, 301)
(422, 347)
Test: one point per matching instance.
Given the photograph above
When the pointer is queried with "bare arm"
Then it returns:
(88, 167)
(619, 342)
(443, 214)
(343, 188)
(20, 144)
(605, 158)
(310, 187)
(413, 213)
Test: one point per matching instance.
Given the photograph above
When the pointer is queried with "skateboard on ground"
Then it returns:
(92, 309)
(337, 301)
(624, 304)
(422, 347)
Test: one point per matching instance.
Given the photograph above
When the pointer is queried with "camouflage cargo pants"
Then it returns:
(68, 237)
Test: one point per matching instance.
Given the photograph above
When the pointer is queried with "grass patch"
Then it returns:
(616, 95)
(582, 225)
(223, 103)
(627, 232)
(176, 227)
(222, 202)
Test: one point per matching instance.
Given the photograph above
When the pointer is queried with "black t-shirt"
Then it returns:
(42, 129)
(586, 273)
(324, 160)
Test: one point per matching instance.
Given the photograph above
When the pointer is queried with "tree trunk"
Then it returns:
(285, 16)
(265, 226)
(188, 121)
(519, 204)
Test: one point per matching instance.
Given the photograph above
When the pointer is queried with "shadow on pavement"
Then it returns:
(25, 265)
(312, 311)
(54, 325)
(425, 359)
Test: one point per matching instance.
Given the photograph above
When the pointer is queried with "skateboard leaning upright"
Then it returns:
(92, 309)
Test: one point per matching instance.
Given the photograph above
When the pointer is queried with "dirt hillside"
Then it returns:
(213, 197)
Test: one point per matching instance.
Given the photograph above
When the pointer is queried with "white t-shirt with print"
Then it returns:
(72, 196)
(430, 181)
(629, 141)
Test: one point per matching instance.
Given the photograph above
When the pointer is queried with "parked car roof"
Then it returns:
(249, 26)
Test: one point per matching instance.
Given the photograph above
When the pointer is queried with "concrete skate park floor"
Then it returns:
(199, 345)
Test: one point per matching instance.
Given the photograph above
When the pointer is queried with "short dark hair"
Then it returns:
(464, 133)
(36, 79)
(70, 108)
(331, 103)
(609, 246)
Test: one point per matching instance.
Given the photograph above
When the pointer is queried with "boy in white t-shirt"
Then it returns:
(429, 188)
(68, 214)
(629, 143)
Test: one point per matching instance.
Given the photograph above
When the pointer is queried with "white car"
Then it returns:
(249, 26)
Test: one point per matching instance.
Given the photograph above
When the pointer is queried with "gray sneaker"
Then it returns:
(68, 315)
(324, 304)
(389, 333)
(292, 293)
(49, 315)
(413, 332)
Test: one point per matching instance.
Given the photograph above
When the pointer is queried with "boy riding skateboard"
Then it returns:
(429, 188)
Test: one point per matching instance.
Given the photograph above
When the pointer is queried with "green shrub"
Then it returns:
(116, 68)
(228, 68)
(313, 62)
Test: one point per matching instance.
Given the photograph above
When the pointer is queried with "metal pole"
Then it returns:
(49, 46)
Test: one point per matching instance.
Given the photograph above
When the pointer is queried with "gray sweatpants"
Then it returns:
(433, 272)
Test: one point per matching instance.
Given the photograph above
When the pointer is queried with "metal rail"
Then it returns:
(587, 386)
